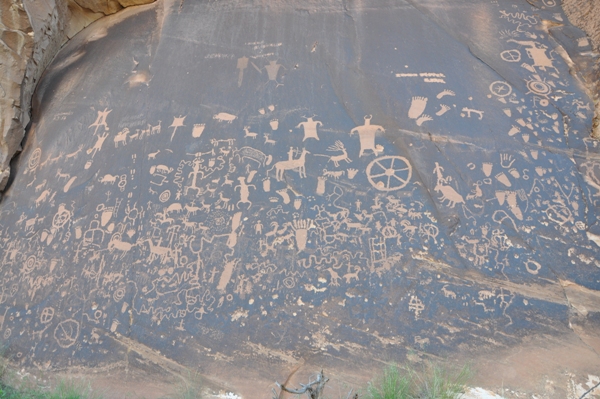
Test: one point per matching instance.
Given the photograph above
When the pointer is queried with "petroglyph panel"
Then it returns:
(297, 191)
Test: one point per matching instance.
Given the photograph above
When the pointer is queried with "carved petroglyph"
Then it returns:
(198, 228)
(366, 134)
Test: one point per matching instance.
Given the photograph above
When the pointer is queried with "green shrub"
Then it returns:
(433, 381)
(391, 384)
(438, 382)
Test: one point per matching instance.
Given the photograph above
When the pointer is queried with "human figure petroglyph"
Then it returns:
(194, 176)
(294, 165)
(366, 134)
(272, 71)
(310, 128)
(101, 120)
(244, 191)
(98, 146)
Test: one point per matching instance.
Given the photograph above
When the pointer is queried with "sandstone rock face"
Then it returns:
(585, 14)
(245, 186)
(31, 34)
(16, 43)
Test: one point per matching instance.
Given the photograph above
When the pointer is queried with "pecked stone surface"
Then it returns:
(251, 184)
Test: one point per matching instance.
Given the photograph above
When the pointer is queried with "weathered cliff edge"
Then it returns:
(585, 14)
(31, 33)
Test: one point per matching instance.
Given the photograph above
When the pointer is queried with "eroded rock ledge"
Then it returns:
(31, 32)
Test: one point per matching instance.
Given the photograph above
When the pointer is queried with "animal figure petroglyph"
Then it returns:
(224, 117)
(253, 154)
(121, 137)
(60, 175)
(447, 293)
(448, 193)
(248, 133)
(115, 243)
(336, 174)
(336, 159)
(470, 111)
(155, 129)
(335, 277)
(294, 164)
(156, 251)
(352, 275)
(268, 140)
(108, 179)
(43, 197)
(176, 207)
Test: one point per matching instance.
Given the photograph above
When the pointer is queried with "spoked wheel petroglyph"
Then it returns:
(389, 173)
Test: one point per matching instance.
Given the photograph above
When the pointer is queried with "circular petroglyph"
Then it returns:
(61, 217)
(119, 294)
(511, 55)
(500, 88)
(532, 266)
(538, 87)
(47, 315)
(389, 173)
(164, 196)
(29, 264)
(34, 159)
(66, 333)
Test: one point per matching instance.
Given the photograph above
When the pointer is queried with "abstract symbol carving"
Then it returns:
(34, 159)
(47, 315)
(66, 333)
(389, 173)
(511, 55)
(500, 89)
